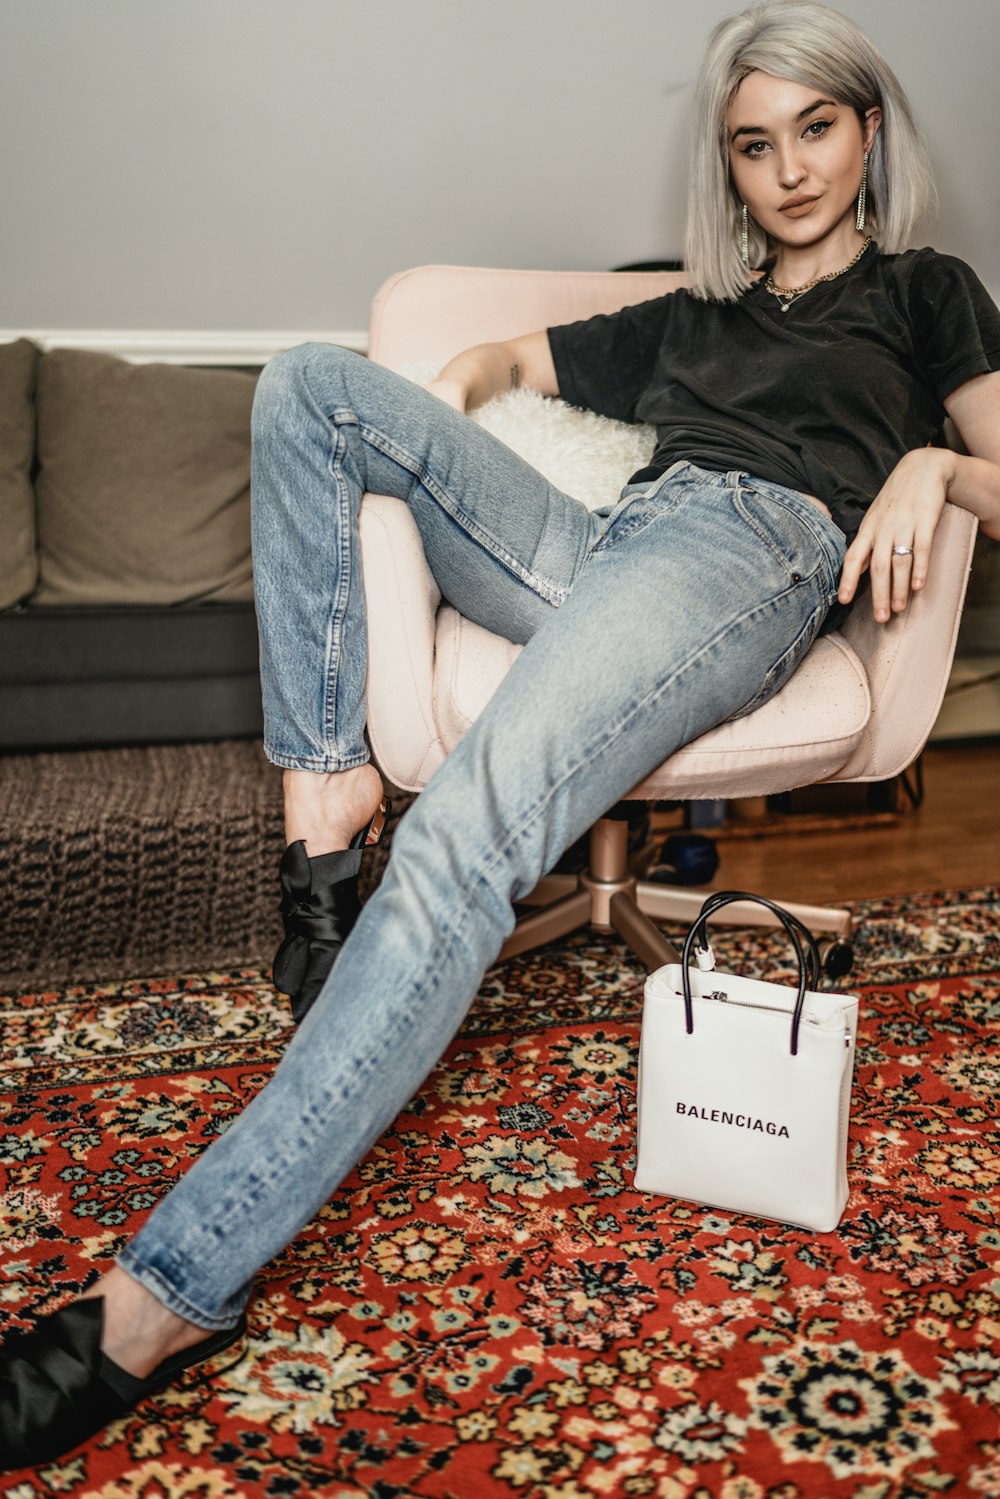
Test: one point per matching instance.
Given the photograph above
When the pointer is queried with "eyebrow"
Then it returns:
(809, 109)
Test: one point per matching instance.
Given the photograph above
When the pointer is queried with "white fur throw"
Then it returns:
(587, 456)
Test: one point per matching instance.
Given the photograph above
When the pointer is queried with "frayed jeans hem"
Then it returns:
(321, 764)
(168, 1297)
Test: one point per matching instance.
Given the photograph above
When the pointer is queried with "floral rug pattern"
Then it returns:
(487, 1307)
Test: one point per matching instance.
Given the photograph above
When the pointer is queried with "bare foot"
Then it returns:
(139, 1331)
(326, 811)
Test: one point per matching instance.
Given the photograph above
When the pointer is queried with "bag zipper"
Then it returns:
(743, 1004)
(746, 1004)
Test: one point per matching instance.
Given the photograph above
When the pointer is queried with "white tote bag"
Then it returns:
(744, 1086)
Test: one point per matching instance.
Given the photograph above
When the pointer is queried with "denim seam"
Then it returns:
(766, 689)
(342, 591)
(546, 588)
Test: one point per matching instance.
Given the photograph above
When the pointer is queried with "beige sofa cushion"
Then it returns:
(144, 482)
(18, 566)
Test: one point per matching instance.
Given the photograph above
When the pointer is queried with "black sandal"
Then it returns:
(319, 906)
(57, 1388)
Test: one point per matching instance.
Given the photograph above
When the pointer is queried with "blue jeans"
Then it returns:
(689, 601)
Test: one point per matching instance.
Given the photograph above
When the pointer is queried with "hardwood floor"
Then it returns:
(951, 840)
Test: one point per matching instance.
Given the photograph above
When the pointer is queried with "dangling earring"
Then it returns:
(745, 238)
(862, 195)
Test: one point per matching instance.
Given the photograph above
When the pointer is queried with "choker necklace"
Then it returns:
(786, 295)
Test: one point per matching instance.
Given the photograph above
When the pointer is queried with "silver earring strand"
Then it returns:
(745, 238)
(862, 195)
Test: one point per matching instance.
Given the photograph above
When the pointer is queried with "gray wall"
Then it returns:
(264, 164)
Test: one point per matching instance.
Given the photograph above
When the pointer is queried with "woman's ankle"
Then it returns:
(139, 1331)
(325, 811)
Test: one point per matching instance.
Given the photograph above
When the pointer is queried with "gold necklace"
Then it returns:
(786, 295)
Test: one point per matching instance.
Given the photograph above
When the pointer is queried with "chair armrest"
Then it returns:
(908, 660)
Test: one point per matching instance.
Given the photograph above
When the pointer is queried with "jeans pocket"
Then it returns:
(799, 536)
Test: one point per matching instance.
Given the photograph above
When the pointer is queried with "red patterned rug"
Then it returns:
(487, 1307)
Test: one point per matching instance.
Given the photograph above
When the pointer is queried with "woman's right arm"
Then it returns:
(473, 377)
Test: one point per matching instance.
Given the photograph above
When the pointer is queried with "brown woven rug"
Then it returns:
(147, 860)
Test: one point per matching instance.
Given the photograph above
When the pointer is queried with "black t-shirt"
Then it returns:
(824, 398)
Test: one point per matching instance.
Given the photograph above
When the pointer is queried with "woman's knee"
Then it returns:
(289, 380)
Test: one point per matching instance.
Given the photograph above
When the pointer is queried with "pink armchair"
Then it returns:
(859, 708)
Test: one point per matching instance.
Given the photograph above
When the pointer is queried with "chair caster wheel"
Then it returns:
(837, 957)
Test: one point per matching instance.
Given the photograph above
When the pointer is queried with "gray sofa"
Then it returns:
(126, 594)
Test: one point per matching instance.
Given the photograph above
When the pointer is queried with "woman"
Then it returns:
(793, 412)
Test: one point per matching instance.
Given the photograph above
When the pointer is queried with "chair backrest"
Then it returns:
(433, 312)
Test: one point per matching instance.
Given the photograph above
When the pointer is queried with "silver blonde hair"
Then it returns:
(809, 44)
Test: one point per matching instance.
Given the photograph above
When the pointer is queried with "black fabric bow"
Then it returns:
(51, 1394)
(319, 906)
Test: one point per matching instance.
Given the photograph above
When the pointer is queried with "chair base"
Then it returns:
(609, 897)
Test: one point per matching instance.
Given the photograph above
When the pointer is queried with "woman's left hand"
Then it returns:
(904, 513)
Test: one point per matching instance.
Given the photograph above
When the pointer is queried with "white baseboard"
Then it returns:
(184, 347)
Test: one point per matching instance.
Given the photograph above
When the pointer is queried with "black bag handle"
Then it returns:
(790, 922)
(799, 934)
